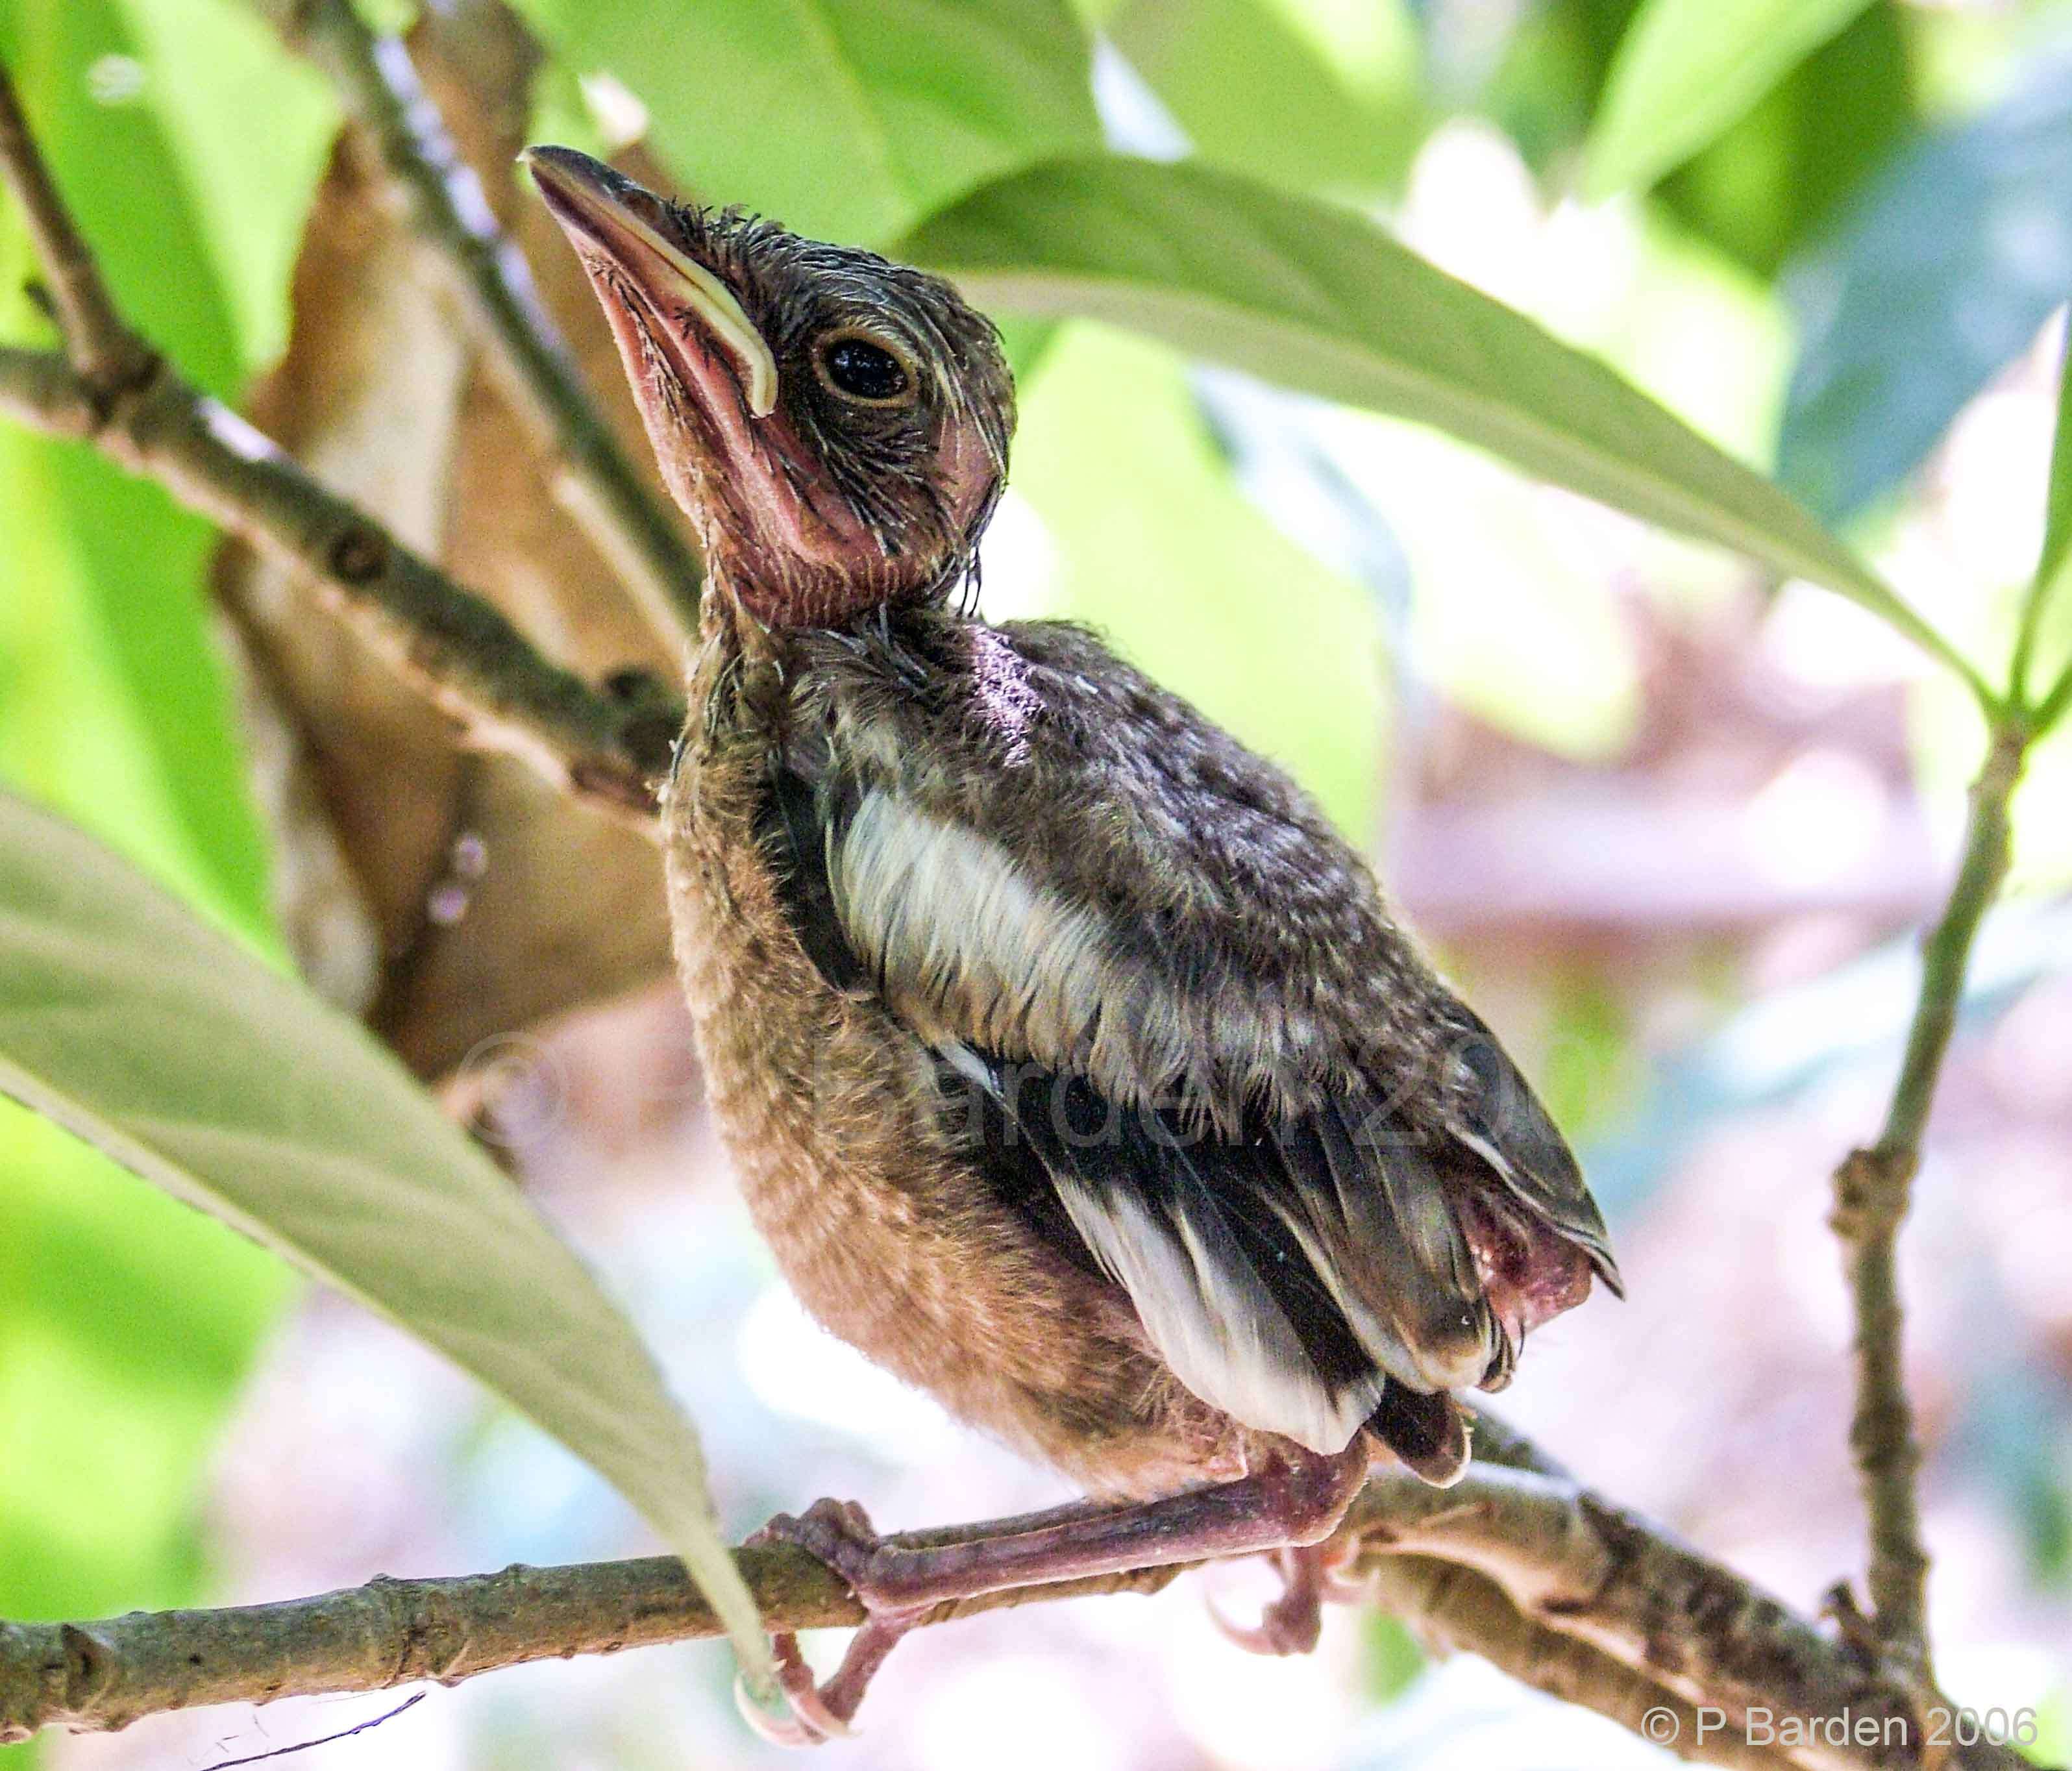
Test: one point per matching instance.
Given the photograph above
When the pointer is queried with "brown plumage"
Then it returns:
(1072, 1065)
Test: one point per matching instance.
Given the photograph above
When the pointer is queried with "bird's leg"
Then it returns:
(1294, 1502)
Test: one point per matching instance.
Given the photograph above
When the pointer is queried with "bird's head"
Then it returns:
(836, 426)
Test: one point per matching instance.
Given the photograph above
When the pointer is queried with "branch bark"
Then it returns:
(1557, 1586)
(380, 89)
(1872, 1189)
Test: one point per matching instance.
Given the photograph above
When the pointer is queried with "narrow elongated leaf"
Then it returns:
(157, 1040)
(847, 119)
(1687, 68)
(1319, 298)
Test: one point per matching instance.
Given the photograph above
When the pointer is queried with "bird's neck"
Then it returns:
(794, 594)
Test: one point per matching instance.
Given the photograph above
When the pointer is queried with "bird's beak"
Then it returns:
(637, 251)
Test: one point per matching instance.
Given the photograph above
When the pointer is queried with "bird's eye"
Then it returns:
(860, 369)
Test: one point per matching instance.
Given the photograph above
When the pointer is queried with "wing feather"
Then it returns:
(1302, 1271)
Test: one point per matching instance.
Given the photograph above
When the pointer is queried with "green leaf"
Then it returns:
(170, 1049)
(1773, 181)
(845, 119)
(1687, 68)
(218, 79)
(127, 1325)
(114, 701)
(1300, 92)
(1940, 273)
(148, 112)
(1390, 1658)
(1319, 298)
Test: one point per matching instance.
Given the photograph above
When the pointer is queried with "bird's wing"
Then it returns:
(1305, 1272)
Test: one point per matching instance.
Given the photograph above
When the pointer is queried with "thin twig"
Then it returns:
(372, 1722)
(107, 356)
(380, 88)
(1871, 1194)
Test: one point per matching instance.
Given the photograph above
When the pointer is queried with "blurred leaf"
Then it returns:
(126, 1324)
(148, 111)
(845, 119)
(1027, 342)
(154, 1038)
(2053, 1744)
(1390, 1659)
(1771, 182)
(218, 81)
(1591, 1074)
(1297, 92)
(120, 713)
(1544, 86)
(112, 699)
(1687, 68)
(1156, 546)
(1942, 272)
(1317, 298)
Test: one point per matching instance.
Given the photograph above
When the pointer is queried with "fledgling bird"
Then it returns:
(1073, 1066)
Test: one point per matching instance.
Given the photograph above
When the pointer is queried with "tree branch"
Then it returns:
(457, 647)
(1450, 1608)
(1558, 1587)
(1872, 1188)
(461, 651)
(380, 89)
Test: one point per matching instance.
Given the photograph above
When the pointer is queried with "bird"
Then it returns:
(1073, 1066)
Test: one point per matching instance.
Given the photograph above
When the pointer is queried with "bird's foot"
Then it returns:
(1311, 1574)
(840, 1534)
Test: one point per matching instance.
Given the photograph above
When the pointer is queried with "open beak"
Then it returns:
(636, 252)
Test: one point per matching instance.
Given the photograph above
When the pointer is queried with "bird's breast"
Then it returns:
(831, 1112)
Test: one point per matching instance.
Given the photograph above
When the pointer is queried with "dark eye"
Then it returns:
(863, 369)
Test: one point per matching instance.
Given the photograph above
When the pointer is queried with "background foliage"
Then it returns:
(1828, 237)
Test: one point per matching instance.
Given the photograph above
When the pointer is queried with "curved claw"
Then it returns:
(1262, 1637)
(1290, 1624)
